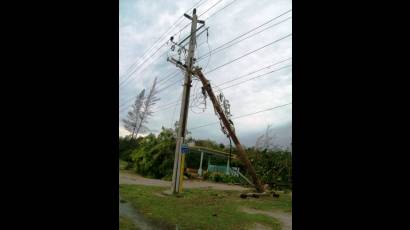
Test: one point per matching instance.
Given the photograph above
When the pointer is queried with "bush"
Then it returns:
(229, 179)
(154, 156)
(126, 146)
(217, 177)
(274, 167)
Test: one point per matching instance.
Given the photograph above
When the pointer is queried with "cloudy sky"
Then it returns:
(143, 22)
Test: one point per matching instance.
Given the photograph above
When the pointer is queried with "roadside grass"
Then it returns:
(127, 224)
(283, 203)
(203, 208)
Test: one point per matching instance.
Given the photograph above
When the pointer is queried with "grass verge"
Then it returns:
(203, 208)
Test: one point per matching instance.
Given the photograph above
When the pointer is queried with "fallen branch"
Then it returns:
(257, 195)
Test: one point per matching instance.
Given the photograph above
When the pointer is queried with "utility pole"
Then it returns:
(177, 175)
(241, 152)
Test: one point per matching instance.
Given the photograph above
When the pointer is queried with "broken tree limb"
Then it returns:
(257, 195)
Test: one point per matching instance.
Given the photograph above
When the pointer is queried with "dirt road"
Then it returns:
(128, 178)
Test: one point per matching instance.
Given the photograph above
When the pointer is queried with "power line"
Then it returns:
(160, 90)
(173, 113)
(191, 106)
(164, 88)
(220, 48)
(121, 83)
(255, 71)
(219, 90)
(198, 16)
(253, 51)
(161, 37)
(181, 17)
(170, 28)
(128, 77)
(210, 8)
(264, 74)
(169, 76)
(129, 99)
(245, 115)
(242, 76)
(220, 9)
(170, 103)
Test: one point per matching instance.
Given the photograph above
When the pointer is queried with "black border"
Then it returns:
(61, 102)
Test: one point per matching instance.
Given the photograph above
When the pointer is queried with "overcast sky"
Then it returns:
(141, 24)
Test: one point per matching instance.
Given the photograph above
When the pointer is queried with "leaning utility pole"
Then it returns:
(241, 152)
(177, 175)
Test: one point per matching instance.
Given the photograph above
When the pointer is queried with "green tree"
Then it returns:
(155, 155)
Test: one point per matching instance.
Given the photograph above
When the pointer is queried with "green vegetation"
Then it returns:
(123, 164)
(127, 224)
(274, 167)
(203, 208)
(153, 156)
(126, 146)
(222, 177)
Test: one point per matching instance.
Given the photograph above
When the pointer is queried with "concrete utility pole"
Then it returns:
(177, 175)
(200, 164)
(241, 152)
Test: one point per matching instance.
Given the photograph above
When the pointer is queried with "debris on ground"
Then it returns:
(257, 195)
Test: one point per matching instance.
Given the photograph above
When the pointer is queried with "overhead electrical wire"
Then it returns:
(245, 115)
(164, 107)
(221, 47)
(198, 4)
(251, 52)
(254, 71)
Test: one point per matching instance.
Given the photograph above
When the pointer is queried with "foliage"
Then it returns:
(126, 146)
(274, 167)
(230, 179)
(154, 156)
(209, 144)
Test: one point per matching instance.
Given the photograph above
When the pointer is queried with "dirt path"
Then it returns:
(128, 178)
(284, 218)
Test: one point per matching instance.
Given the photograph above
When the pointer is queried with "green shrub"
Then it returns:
(154, 156)
(229, 179)
(217, 177)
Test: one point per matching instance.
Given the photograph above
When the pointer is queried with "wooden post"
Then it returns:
(241, 152)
